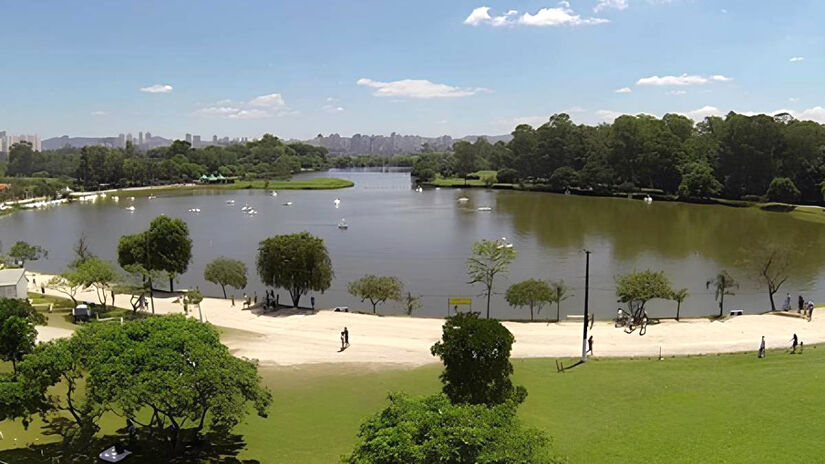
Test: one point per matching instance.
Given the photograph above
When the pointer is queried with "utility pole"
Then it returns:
(586, 314)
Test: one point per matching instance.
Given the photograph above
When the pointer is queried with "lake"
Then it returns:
(424, 238)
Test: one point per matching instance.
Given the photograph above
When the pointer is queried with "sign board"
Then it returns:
(460, 301)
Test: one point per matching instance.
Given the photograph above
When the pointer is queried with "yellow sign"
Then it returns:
(460, 301)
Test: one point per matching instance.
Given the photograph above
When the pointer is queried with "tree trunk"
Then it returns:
(678, 307)
(373, 307)
(489, 292)
(171, 284)
(223, 287)
(722, 303)
(531, 313)
(558, 311)
(151, 295)
(773, 306)
(296, 298)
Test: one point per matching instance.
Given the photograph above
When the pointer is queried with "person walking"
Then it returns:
(312, 301)
(590, 345)
(346, 337)
(762, 348)
(786, 306)
(801, 302)
(794, 342)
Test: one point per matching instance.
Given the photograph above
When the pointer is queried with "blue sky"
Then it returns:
(298, 68)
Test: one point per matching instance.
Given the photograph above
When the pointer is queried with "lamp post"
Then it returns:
(586, 293)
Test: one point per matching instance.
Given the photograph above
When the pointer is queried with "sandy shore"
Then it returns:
(294, 338)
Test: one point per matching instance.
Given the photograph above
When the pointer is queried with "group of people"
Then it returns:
(344, 339)
(803, 307)
(795, 344)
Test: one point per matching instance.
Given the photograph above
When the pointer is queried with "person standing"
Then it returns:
(590, 345)
(801, 302)
(787, 305)
(794, 342)
(762, 348)
(312, 301)
(346, 337)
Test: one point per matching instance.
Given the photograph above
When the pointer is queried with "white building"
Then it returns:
(13, 283)
(6, 141)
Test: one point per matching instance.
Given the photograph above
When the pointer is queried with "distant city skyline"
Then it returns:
(296, 69)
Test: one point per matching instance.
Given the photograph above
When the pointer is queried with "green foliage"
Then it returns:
(641, 287)
(412, 303)
(698, 181)
(225, 271)
(377, 289)
(23, 252)
(296, 262)
(164, 247)
(722, 284)
(531, 293)
(489, 179)
(94, 272)
(490, 258)
(563, 178)
(679, 296)
(476, 357)
(507, 176)
(17, 332)
(432, 430)
(782, 189)
(559, 291)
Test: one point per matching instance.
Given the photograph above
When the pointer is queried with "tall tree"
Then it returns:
(722, 284)
(296, 262)
(169, 246)
(23, 252)
(559, 291)
(770, 264)
(225, 271)
(679, 296)
(17, 332)
(531, 293)
(476, 357)
(638, 288)
(490, 258)
(377, 289)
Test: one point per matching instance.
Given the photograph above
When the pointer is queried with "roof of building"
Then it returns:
(11, 276)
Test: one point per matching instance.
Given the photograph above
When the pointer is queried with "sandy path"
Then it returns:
(294, 338)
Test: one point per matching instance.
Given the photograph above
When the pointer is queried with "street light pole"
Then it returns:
(586, 314)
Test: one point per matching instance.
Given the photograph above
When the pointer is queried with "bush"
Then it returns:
(489, 179)
(507, 176)
(698, 181)
(627, 187)
(782, 189)
(564, 177)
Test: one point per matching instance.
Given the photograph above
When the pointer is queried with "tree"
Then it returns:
(782, 189)
(225, 271)
(640, 287)
(558, 293)
(193, 297)
(97, 273)
(23, 252)
(476, 357)
(698, 181)
(169, 246)
(563, 177)
(17, 332)
(377, 289)
(412, 303)
(722, 283)
(770, 264)
(431, 429)
(466, 158)
(490, 258)
(679, 296)
(296, 262)
(67, 283)
(531, 293)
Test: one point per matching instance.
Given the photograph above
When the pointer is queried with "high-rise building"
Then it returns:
(129, 138)
(148, 137)
(214, 139)
(6, 141)
(121, 140)
(189, 138)
(140, 139)
(196, 141)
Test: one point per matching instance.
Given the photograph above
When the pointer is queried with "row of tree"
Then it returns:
(735, 157)
(93, 166)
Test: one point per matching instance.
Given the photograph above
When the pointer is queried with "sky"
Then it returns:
(299, 68)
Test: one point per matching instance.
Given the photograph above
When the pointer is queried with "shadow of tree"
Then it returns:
(210, 448)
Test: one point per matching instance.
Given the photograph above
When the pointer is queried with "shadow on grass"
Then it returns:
(211, 448)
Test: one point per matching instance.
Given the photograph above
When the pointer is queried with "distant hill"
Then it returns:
(393, 144)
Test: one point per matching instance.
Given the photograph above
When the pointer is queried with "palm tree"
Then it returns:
(558, 293)
(679, 296)
(722, 283)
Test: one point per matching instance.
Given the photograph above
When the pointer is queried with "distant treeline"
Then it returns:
(93, 166)
(735, 157)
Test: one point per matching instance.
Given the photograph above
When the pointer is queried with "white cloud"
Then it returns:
(624, 90)
(817, 113)
(157, 88)
(703, 112)
(684, 79)
(273, 100)
(99, 113)
(332, 109)
(558, 16)
(331, 99)
(676, 92)
(604, 4)
(793, 99)
(797, 59)
(724, 11)
(417, 88)
(261, 107)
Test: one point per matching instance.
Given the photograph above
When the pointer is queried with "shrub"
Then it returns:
(782, 189)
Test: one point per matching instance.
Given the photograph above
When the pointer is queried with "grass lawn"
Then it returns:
(458, 182)
(708, 409)
(317, 183)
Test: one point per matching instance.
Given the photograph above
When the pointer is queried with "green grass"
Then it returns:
(458, 182)
(317, 183)
(709, 409)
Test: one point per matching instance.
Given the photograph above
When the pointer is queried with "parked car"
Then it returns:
(82, 312)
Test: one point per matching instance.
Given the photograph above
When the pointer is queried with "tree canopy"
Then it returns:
(476, 357)
(164, 247)
(226, 271)
(376, 289)
(531, 293)
(296, 262)
(23, 251)
(490, 258)
(640, 287)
